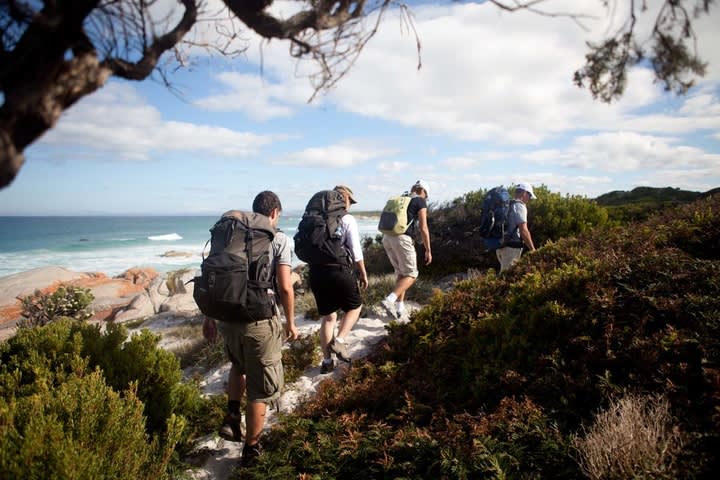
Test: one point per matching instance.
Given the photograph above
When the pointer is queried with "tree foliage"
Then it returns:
(670, 49)
(53, 53)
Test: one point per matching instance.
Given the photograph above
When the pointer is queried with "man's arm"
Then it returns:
(287, 299)
(425, 234)
(526, 237)
(363, 274)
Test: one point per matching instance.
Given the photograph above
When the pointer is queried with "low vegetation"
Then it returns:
(457, 246)
(596, 356)
(66, 301)
(79, 403)
(636, 437)
(504, 376)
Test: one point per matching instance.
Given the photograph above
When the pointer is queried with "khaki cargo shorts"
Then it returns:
(400, 249)
(256, 349)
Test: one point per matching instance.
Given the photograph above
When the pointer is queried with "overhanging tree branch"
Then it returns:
(54, 52)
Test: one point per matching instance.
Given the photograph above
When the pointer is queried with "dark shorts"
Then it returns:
(334, 287)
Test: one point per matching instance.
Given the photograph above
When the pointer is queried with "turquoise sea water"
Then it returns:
(113, 244)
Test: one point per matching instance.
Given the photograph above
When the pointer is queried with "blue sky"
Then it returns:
(493, 103)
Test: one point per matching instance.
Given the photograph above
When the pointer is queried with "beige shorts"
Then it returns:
(508, 256)
(400, 249)
(256, 349)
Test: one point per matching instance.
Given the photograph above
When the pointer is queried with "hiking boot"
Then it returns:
(389, 307)
(231, 428)
(250, 455)
(341, 350)
(327, 367)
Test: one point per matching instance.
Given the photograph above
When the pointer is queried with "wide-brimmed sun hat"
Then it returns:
(346, 191)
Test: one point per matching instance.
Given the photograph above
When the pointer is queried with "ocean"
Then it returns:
(112, 245)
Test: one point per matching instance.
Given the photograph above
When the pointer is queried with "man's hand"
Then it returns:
(363, 281)
(209, 329)
(291, 332)
(428, 257)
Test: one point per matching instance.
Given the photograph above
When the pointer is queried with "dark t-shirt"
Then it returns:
(416, 204)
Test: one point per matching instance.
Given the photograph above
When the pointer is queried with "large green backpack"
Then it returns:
(394, 217)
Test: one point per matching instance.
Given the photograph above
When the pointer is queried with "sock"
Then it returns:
(392, 297)
(400, 307)
(234, 406)
(339, 340)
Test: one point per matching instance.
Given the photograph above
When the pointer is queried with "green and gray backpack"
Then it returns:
(394, 217)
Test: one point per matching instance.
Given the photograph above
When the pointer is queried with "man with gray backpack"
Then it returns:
(400, 222)
(247, 269)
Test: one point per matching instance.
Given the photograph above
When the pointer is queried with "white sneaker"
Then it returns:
(389, 307)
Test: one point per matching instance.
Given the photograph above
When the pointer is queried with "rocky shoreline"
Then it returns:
(137, 293)
(134, 294)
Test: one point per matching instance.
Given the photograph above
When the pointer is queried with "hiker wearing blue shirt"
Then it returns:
(518, 235)
(400, 249)
(255, 348)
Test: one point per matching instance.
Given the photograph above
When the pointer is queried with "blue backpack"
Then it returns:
(494, 216)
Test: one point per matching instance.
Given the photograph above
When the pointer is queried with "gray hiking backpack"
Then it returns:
(237, 273)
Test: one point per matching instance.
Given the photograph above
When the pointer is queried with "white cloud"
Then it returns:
(627, 151)
(393, 167)
(258, 97)
(119, 124)
(341, 155)
(460, 163)
(695, 180)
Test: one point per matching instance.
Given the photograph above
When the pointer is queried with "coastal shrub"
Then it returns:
(82, 429)
(156, 371)
(174, 282)
(37, 362)
(301, 355)
(456, 244)
(503, 370)
(67, 301)
(306, 306)
(634, 438)
(376, 260)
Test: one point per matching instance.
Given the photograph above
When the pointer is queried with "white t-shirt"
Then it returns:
(351, 237)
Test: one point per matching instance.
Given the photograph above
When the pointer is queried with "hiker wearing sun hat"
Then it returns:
(337, 269)
(402, 219)
(518, 235)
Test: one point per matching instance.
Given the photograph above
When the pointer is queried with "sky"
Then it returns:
(492, 103)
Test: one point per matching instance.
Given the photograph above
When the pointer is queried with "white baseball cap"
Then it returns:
(422, 184)
(527, 188)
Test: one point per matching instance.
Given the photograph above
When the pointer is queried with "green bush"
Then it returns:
(82, 429)
(456, 244)
(495, 377)
(43, 363)
(67, 301)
